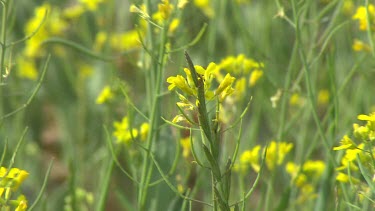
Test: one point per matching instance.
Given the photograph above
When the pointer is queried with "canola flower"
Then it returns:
(105, 95)
(358, 46)
(247, 70)
(305, 178)
(276, 153)
(187, 86)
(10, 180)
(361, 16)
(124, 134)
(358, 153)
(206, 7)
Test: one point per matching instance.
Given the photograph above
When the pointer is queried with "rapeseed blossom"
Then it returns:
(186, 146)
(205, 7)
(123, 131)
(249, 158)
(359, 155)
(241, 67)
(187, 86)
(10, 180)
(276, 152)
(91, 4)
(361, 16)
(323, 97)
(144, 130)
(105, 95)
(305, 177)
(358, 45)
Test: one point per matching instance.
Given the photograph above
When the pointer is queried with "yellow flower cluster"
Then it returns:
(305, 179)
(186, 84)
(124, 133)
(362, 15)
(359, 151)
(163, 16)
(205, 7)
(276, 153)
(118, 41)
(10, 180)
(47, 21)
(247, 70)
(105, 95)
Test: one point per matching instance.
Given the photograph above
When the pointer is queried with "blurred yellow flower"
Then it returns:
(358, 45)
(248, 158)
(186, 146)
(314, 168)
(105, 95)
(26, 68)
(10, 181)
(323, 97)
(123, 133)
(182, 3)
(361, 16)
(85, 71)
(124, 41)
(255, 76)
(205, 6)
(345, 143)
(276, 153)
(91, 4)
(144, 129)
(22, 203)
(296, 100)
(173, 26)
(73, 12)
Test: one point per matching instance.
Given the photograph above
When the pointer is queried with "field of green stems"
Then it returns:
(187, 105)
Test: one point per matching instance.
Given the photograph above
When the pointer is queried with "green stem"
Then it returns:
(156, 75)
(3, 38)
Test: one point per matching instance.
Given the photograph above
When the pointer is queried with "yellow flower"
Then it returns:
(248, 158)
(323, 97)
(358, 45)
(348, 7)
(240, 88)
(145, 128)
(296, 100)
(26, 68)
(73, 12)
(165, 9)
(255, 76)
(361, 16)
(313, 168)
(125, 41)
(276, 153)
(105, 95)
(123, 133)
(12, 180)
(180, 82)
(186, 146)
(182, 3)
(141, 11)
(225, 84)
(85, 71)
(345, 143)
(22, 203)
(91, 4)
(100, 39)
(205, 6)
(173, 26)
(364, 117)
